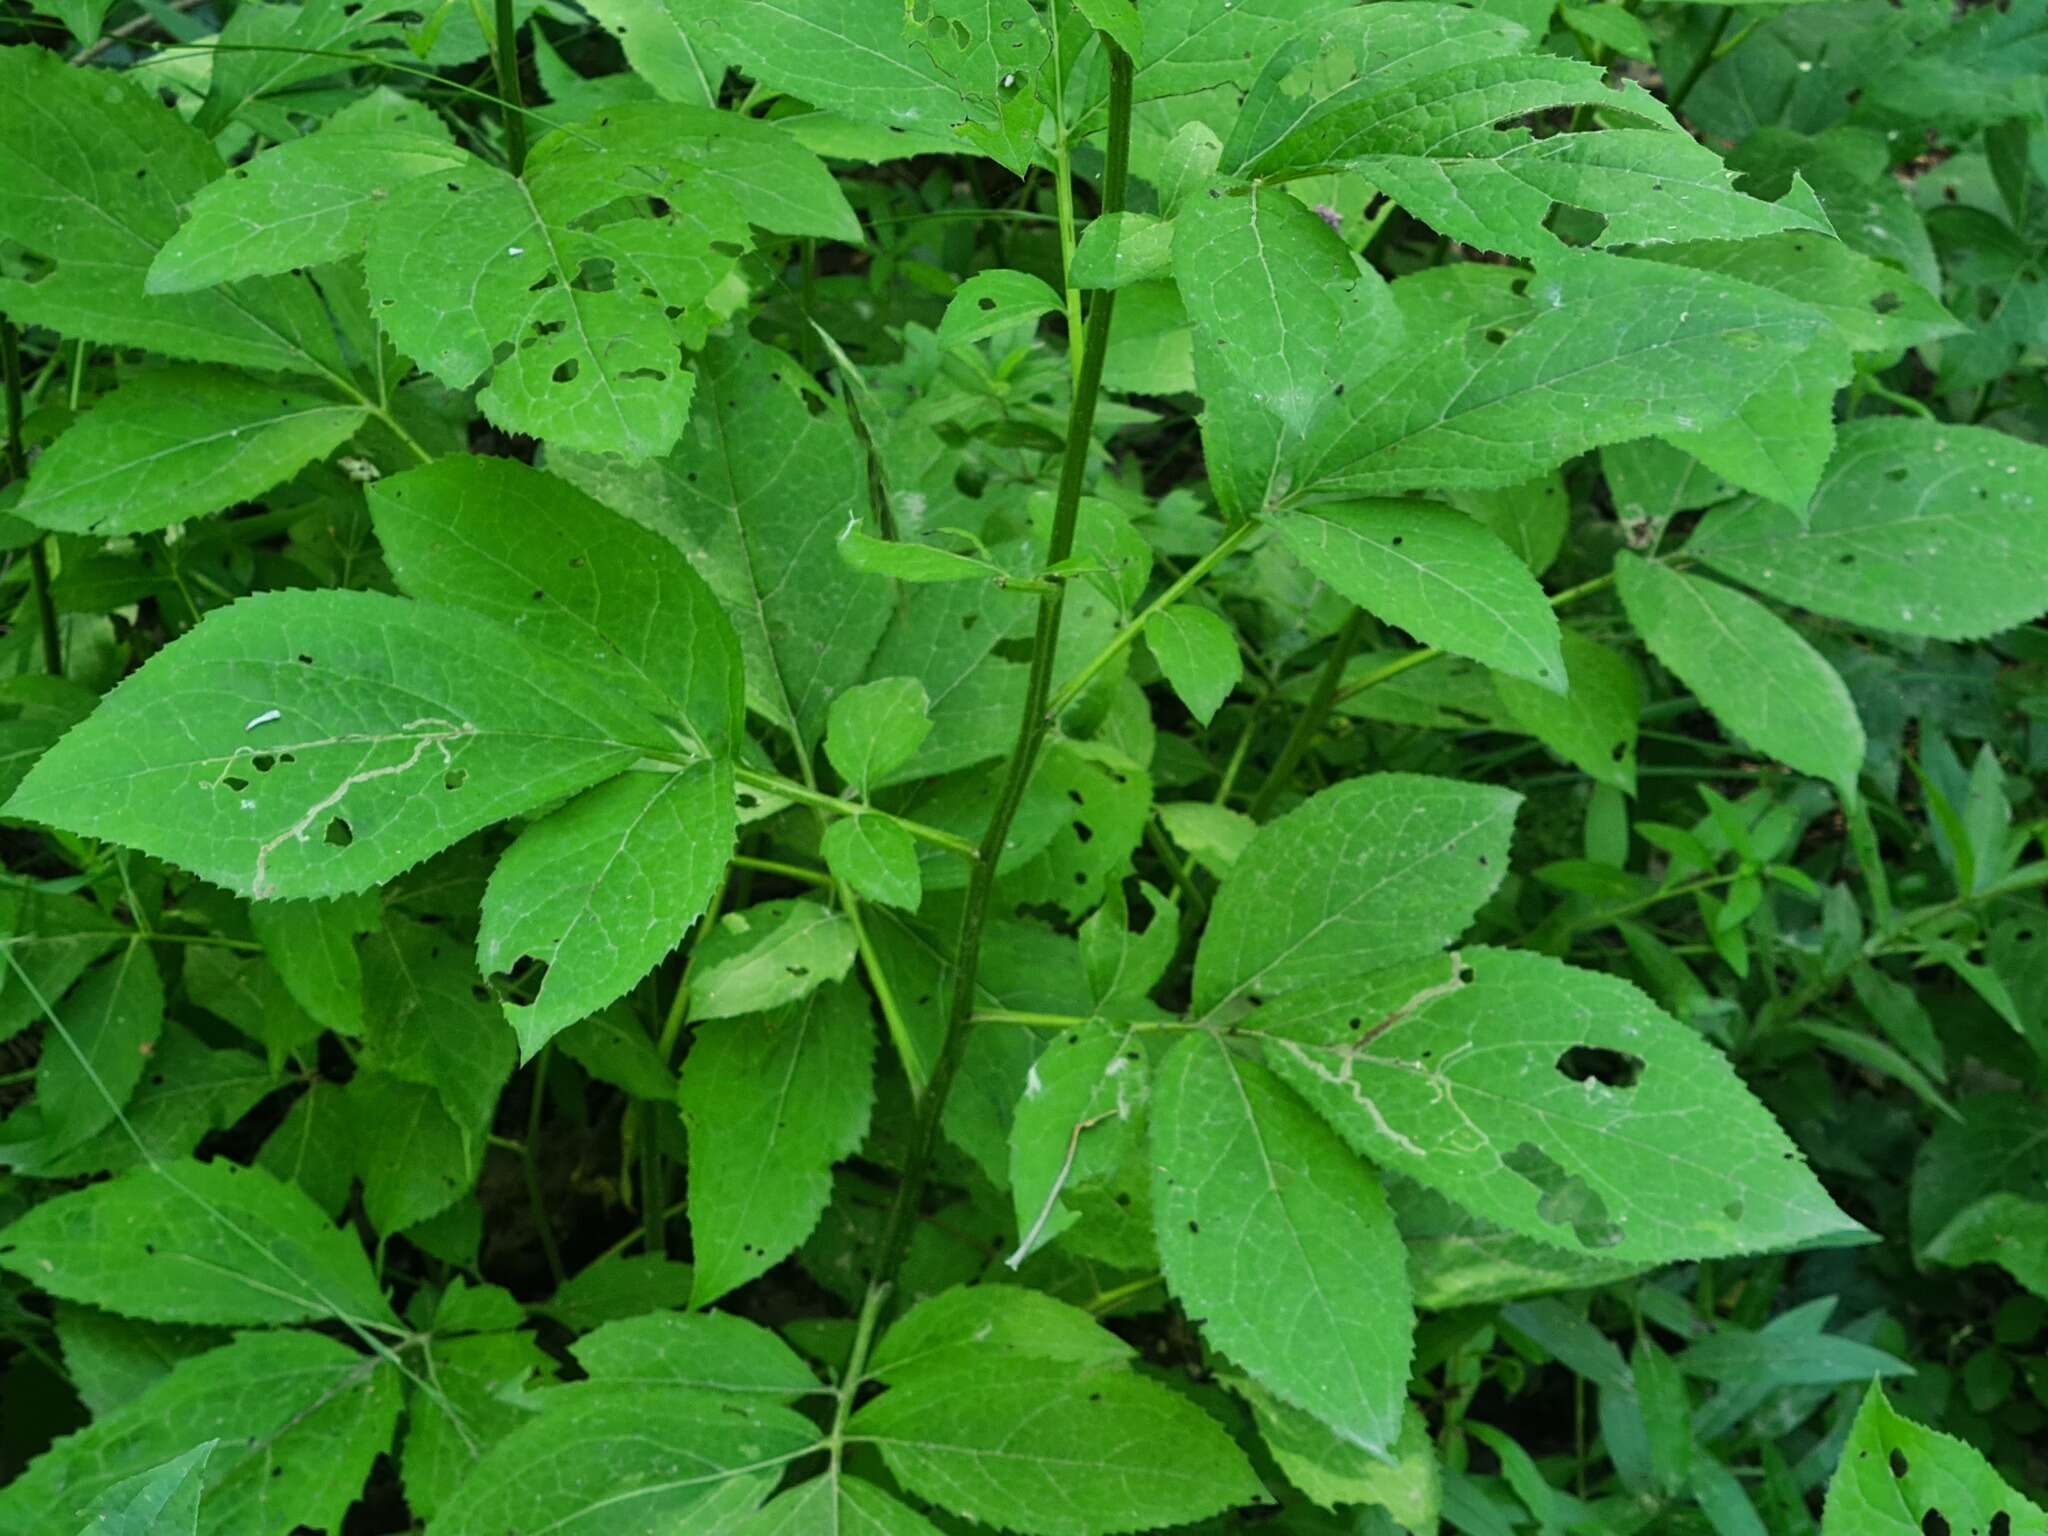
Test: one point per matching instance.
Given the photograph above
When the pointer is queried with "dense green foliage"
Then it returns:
(831, 766)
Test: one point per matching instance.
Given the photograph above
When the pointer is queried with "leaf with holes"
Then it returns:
(1363, 874)
(768, 955)
(1898, 1478)
(314, 743)
(771, 1104)
(1278, 1242)
(989, 302)
(1556, 1102)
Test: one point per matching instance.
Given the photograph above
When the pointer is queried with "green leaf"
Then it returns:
(1976, 1192)
(600, 890)
(477, 1398)
(412, 1157)
(876, 728)
(704, 1352)
(846, 1506)
(909, 560)
(670, 57)
(1555, 1102)
(1287, 324)
(1198, 653)
(771, 1104)
(1778, 441)
(992, 301)
(1503, 377)
(1333, 1472)
(574, 577)
(1761, 680)
(1897, 1478)
(877, 858)
(100, 171)
(1593, 724)
(995, 1321)
(176, 444)
(1119, 249)
(1074, 1126)
(1437, 574)
(1920, 528)
(312, 947)
(266, 48)
(112, 1360)
(314, 743)
(298, 204)
(163, 1501)
(761, 527)
(1194, 45)
(1276, 1237)
(1366, 873)
(296, 1421)
(430, 1020)
(89, 1069)
(195, 1242)
(766, 955)
(599, 1459)
(1040, 1447)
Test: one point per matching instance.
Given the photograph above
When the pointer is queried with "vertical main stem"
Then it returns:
(505, 59)
(1031, 727)
(17, 468)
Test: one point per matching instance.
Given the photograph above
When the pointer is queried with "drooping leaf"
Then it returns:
(1898, 1478)
(1437, 574)
(1919, 528)
(1040, 1447)
(1593, 724)
(195, 1242)
(179, 443)
(1334, 1473)
(1277, 1238)
(90, 1067)
(1556, 1102)
(600, 890)
(1198, 653)
(1751, 668)
(771, 1102)
(296, 1420)
(1364, 874)
(314, 743)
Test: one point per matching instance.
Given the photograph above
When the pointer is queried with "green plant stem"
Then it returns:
(795, 872)
(505, 59)
(1063, 201)
(1032, 728)
(803, 794)
(534, 1193)
(1121, 641)
(1699, 65)
(17, 469)
(1310, 720)
(1176, 870)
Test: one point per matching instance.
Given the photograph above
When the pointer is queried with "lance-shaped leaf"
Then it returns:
(763, 956)
(296, 1421)
(1494, 386)
(177, 444)
(603, 888)
(1752, 669)
(98, 171)
(1278, 1242)
(1288, 324)
(1593, 724)
(314, 743)
(1898, 1478)
(298, 204)
(1920, 528)
(1439, 575)
(1040, 1447)
(603, 1458)
(93, 1062)
(413, 1158)
(771, 1102)
(1558, 1103)
(193, 1242)
(1366, 873)
(1074, 1126)
(760, 527)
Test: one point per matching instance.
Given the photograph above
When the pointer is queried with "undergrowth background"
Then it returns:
(1237, 764)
